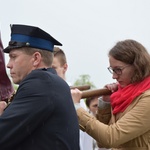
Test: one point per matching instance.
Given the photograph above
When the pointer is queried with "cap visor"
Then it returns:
(9, 48)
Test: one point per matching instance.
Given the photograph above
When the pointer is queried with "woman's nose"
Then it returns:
(114, 75)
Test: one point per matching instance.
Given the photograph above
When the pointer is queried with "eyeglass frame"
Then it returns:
(113, 70)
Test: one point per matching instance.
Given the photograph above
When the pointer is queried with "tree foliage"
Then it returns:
(84, 80)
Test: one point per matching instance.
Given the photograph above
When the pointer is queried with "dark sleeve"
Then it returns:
(29, 109)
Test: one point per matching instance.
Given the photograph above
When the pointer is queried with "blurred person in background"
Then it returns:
(60, 65)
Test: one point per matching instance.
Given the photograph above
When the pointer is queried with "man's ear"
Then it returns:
(65, 66)
(36, 59)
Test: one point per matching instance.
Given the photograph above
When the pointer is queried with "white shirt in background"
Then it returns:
(86, 141)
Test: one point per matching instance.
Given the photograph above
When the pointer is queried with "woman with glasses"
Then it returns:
(128, 127)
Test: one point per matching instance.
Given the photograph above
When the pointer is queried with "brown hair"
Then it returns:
(47, 56)
(59, 53)
(88, 101)
(133, 53)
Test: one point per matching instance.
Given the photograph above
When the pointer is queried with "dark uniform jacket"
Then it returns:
(41, 116)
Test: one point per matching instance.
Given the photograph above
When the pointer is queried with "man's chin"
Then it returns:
(15, 81)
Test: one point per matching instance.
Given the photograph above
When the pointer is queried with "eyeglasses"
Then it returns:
(117, 70)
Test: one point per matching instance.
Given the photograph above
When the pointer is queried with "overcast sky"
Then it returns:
(86, 28)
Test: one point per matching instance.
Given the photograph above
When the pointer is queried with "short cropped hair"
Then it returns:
(59, 53)
(133, 53)
(47, 56)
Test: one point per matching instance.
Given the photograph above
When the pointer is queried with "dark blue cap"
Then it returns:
(29, 36)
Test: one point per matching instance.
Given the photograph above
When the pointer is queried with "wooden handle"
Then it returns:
(81, 88)
(94, 93)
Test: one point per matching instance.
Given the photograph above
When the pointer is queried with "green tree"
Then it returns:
(15, 86)
(84, 80)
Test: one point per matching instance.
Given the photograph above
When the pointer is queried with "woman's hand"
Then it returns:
(112, 87)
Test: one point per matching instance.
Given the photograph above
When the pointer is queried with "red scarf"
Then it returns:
(123, 97)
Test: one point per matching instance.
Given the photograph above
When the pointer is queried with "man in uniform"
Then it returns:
(42, 115)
